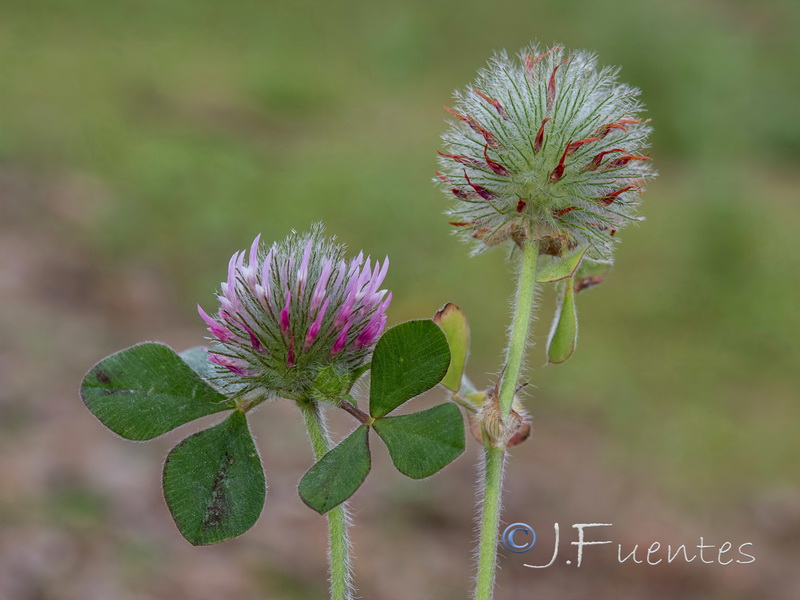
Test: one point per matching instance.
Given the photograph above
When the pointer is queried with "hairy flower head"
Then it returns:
(547, 147)
(294, 311)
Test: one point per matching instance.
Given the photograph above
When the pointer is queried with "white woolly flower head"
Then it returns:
(547, 147)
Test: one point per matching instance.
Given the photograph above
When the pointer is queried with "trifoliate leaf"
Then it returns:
(214, 483)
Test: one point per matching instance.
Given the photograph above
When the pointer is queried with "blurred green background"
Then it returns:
(142, 142)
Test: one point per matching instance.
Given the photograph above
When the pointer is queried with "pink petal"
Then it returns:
(222, 333)
(377, 277)
(285, 314)
(322, 282)
(302, 274)
(340, 342)
(313, 331)
(253, 259)
(233, 365)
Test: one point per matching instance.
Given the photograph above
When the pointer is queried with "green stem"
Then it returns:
(493, 467)
(495, 455)
(520, 327)
(338, 539)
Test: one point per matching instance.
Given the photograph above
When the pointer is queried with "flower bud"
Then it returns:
(488, 422)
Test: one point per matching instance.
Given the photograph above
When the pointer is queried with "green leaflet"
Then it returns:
(338, 474)
(146, 390)
(422, 443)
(409, 359)
(214, 483)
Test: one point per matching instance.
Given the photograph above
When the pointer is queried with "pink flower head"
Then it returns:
(292, 309)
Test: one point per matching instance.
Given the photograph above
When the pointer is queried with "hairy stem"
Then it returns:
(338, 539)
(494, 454)
(520, 326)
(493, 465)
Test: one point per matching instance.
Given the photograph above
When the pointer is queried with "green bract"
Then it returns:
(564, 335)
(455, 326)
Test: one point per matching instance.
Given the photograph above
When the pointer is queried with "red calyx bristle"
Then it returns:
(457, 115)
(558, 172)
(463, 194)
(488, 136)
(480, 190)
(476, 127)
(610, 197)
(569, 150)
(541, 57)
(604, 130)
(624, 160)
(537, 143)
(595, 162)
(464, 160)
(560, 213)
(521, 205)
(494, 166)
(551, 86)
(572, 147)
(529, 67)
(494, 102)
